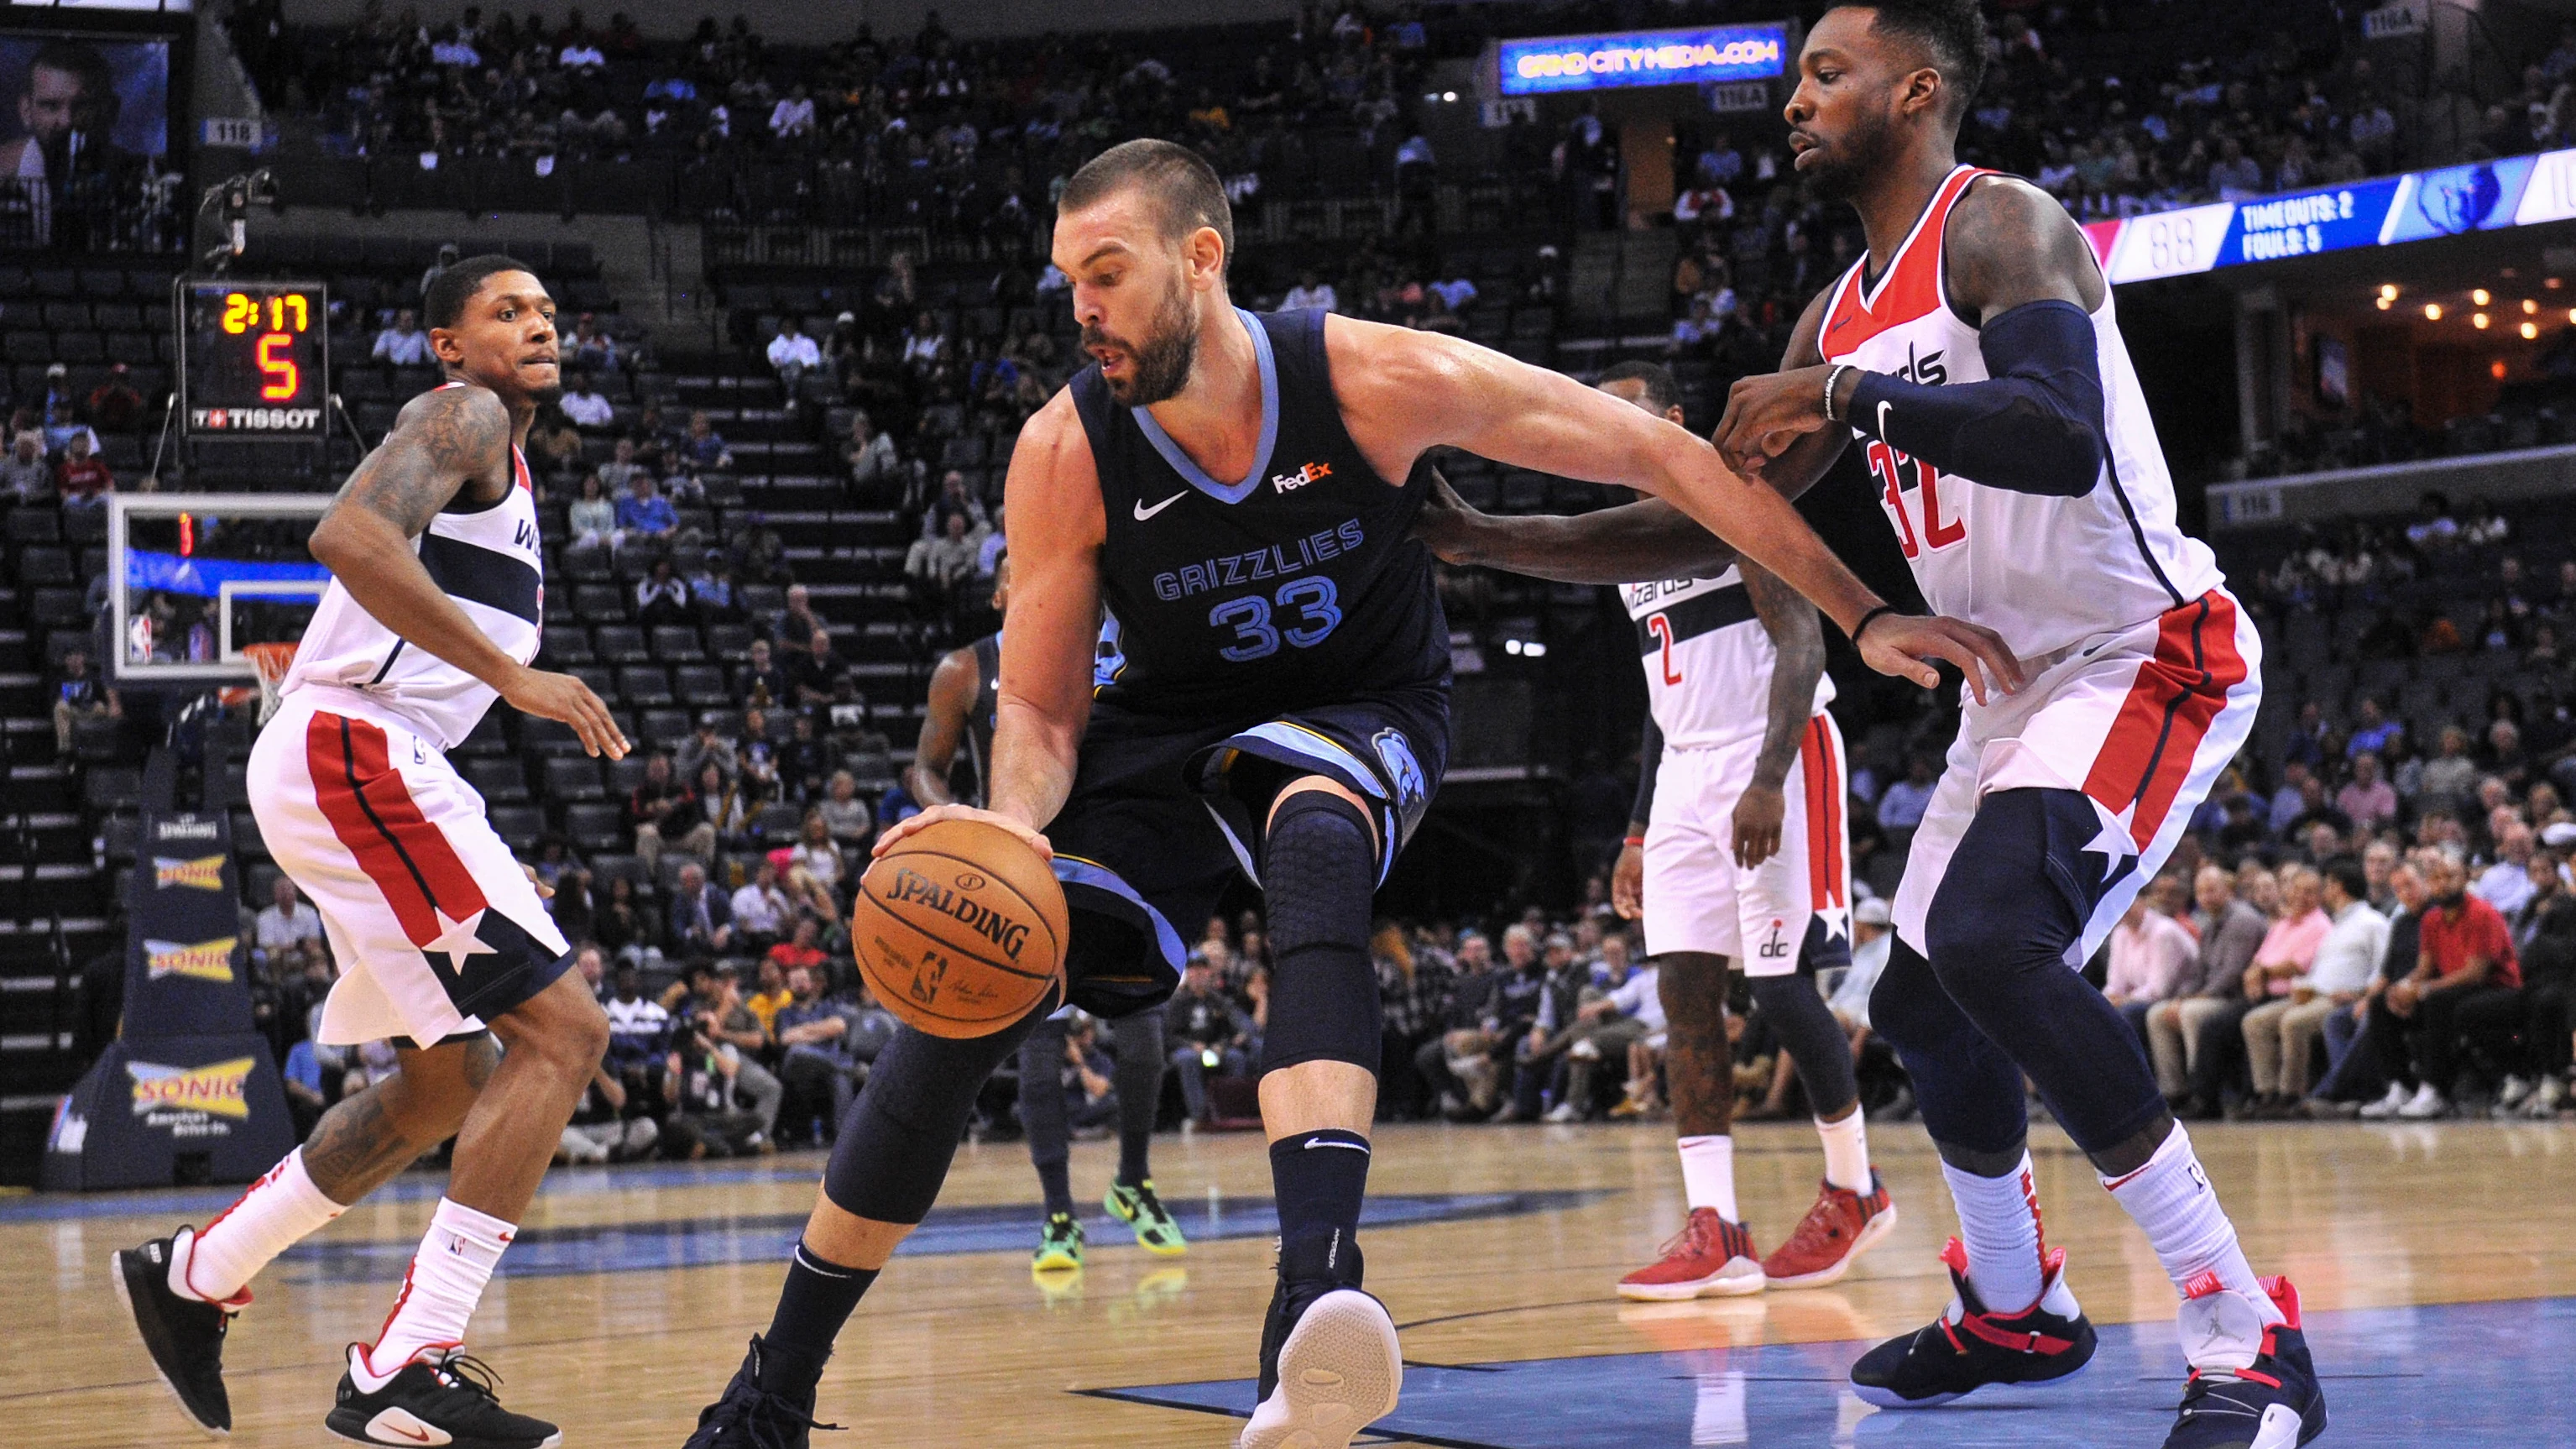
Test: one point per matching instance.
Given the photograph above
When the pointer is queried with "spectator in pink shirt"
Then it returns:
(2152, 955)
(2367, 797)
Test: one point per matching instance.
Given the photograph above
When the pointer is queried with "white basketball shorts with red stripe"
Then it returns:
(1699, 899)
(2141, 721)
(435, 927)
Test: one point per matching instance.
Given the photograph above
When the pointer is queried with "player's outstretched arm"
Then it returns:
(1648, 539)
(442, 441)
(953, 687)
(2035, 425)
(1053, 494)
(1403, 392)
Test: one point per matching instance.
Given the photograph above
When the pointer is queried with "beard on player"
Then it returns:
(1159, 361)
(1838, 168)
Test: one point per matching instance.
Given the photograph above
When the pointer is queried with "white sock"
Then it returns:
(456, 1258)
(1999, 1224)
(2178, 1210)
(1846, 1153)
(1708, 1173)
(272, 1215)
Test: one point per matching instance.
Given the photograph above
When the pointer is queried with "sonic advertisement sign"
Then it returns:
(1697, 56)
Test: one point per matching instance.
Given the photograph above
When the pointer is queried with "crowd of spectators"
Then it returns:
(54, 452)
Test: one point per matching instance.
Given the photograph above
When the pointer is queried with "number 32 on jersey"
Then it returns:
(1921, 525)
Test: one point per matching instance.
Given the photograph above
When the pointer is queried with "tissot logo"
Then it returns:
(1285, 482)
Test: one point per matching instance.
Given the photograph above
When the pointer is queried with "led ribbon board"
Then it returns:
(2384, 211)
(1694, 56)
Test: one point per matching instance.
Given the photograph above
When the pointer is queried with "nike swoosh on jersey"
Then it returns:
(1143, 512)
(1882, 421)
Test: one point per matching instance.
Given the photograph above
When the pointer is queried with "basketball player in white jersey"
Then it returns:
(1975, 354)
(443, 944)
(1739, 836)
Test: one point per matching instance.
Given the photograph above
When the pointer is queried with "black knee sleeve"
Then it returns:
(1806, 1026)
(1968, 1091)
(894, 1150)
(1318, 876)
(1042, 1092)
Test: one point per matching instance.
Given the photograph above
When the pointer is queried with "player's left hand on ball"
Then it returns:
(1909, 646)
(937, 813)
(1759, 812)
(1766, 413)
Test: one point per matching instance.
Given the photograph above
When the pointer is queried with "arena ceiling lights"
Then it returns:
(2384, 211)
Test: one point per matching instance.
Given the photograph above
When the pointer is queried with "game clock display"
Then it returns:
(254, 357)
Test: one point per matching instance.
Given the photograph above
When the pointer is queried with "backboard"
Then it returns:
(195, 578)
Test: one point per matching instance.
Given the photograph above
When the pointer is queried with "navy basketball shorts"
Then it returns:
(1165, 812)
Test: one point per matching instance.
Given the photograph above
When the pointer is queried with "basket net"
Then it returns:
(272, 661)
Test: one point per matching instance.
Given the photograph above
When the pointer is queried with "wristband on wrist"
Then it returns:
(1638, 841)
(1863, 626)
(1833, 379)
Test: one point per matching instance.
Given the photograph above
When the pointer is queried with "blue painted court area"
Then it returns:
(632, 1247)
(2462, 1376)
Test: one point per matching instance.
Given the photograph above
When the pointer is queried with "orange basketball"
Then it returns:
(959, 929)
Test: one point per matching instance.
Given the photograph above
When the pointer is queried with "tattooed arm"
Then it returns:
(1798, 639)
(448, 441)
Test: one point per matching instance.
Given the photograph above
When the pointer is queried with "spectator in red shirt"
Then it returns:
(82, 477)
(800, 952)
(2466, 985)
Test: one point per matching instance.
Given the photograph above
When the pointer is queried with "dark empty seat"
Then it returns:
(487, 738)
(44, 564)
(598, 602)
(619, 644)
(701, 686)
(519, 826)
(567, 644)
(574, 777)
(676, 644)
(35, 525)
(729, 641)
(601, 679)
(595, 827)
(664, 726)
(500, 779)
(644, 685)
(625, 775)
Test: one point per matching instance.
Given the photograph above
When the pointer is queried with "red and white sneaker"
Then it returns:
(1839, 1228)
(1709, 1257)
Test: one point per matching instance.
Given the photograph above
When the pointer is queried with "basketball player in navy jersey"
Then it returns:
(1236, 491)
(432, 613)
(963, 691)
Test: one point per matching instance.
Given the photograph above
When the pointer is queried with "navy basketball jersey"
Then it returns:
(1296, 584)
(981, 716)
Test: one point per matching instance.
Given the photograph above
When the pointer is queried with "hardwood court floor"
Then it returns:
(628, 1299)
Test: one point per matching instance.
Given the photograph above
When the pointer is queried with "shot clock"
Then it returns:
(254, 359)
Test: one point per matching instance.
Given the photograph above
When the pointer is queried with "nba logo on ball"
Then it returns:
(959, 928)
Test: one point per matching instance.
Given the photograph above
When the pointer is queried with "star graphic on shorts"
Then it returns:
(2116, 843)
(458, 939)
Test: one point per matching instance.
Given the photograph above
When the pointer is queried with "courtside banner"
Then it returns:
(1694, 56)
(2384, 211)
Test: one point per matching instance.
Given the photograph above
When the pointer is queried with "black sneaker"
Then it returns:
(751, 1417)
(451, 1399)
(1968, 1348)
(2251, 1387)
(1329, 1362)
(185, 1336)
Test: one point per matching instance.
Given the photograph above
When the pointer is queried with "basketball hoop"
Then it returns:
(272, 661)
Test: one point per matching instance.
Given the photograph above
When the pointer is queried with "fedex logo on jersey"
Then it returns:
(1289, 482)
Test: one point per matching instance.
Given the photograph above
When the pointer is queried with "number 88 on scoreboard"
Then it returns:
(254, 358)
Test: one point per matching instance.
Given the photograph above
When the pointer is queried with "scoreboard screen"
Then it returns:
(254, 357)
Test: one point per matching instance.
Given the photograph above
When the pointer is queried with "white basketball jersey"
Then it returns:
(2043, 572)
(1708, 660)
(489, 563)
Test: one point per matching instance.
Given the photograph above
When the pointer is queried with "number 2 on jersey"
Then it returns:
(1257, 638)
(1889, 467)
(1661, 626)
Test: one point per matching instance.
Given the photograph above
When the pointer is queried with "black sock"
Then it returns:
(816, 1300)
(1140, 1093)
(1058, 1182)
(1135, 1159)
(1320, 1178)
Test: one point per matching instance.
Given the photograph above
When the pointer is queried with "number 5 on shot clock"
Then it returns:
(254, 359)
